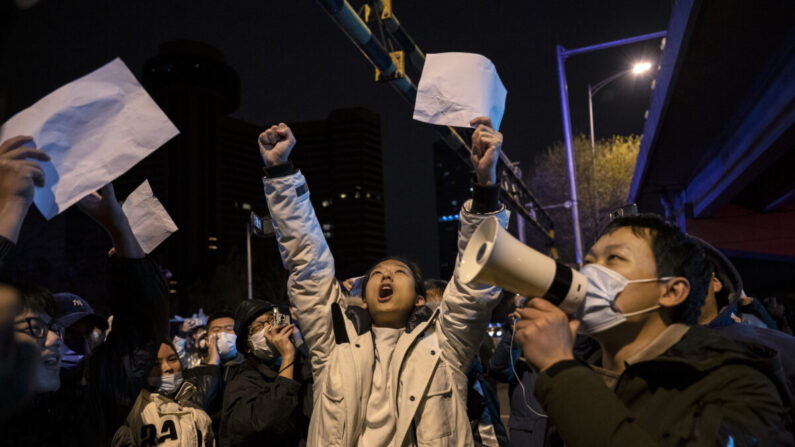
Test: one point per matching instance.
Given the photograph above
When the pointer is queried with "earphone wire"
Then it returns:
(513, 368)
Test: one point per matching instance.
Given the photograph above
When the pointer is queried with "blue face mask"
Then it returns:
(71, 359)
(227, 348)
(599, 312)
(166, 384)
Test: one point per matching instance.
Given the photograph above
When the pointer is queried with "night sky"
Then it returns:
(296, 65)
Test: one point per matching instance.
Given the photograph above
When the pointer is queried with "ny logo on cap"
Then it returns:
(77, 303)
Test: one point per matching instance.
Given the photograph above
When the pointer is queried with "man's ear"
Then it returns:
(716, 284)
(676, 292)
(420, 301)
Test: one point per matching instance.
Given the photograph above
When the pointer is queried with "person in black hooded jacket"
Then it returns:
(269, 401)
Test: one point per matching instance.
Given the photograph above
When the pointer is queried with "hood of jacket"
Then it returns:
(702, 350)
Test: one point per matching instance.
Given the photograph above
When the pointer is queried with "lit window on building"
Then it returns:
(328, 234)
(327, 226)
(343, 196)
(326, 203)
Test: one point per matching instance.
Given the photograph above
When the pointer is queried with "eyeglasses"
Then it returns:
(38, 328)
(258, 326)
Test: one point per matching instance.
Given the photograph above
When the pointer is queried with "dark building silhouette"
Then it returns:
(341, 160)
(453, 186)
(208, 177)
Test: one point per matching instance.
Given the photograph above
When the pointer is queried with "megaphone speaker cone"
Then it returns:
(495, 257)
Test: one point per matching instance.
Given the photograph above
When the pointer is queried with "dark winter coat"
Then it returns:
(703, 390)
(262, 408)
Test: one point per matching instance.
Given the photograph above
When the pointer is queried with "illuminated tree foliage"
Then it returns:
(602, 185)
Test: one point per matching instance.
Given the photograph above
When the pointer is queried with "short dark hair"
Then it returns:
(675, 254)
(416, 273)
(35, 298)
(217, 315)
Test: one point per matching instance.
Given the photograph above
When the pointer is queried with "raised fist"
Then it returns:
(275, 144)
(486, 147)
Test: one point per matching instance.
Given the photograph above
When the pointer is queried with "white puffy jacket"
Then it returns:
(428, 364)
(158, 420)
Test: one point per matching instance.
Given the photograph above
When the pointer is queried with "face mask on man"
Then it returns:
(599, 311)
(70, 359)
(227, 348)
(166, 384)
(260, 346)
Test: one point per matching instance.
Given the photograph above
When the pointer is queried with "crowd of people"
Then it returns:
(666, 349)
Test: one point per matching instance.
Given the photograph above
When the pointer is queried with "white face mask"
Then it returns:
(226, 345)
(260, 346)
(166, 384)
(599, 311)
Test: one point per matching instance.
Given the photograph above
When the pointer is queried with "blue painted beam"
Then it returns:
(747, 152)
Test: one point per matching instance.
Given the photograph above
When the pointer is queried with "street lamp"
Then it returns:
(637, 70)
(563, 54)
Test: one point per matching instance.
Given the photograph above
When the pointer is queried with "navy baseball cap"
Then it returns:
(70, 308)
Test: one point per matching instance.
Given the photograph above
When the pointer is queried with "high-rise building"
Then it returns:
(341, 160)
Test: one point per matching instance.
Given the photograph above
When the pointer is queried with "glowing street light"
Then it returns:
(638, 69)
(641, 67)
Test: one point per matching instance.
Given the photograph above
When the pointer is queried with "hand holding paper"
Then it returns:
(93, 129)
(457, 87)
(486, 146)
(19, 177)
(105, 210)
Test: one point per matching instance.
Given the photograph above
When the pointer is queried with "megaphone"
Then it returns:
(496, 258)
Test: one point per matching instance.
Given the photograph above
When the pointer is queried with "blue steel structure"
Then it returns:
(515, 193)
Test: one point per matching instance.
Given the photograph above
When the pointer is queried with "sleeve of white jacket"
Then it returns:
(312, 286)
(466, 308)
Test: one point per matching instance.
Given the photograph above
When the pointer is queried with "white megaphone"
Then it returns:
(495, 257)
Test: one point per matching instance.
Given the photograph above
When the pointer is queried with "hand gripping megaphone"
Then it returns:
(495, 257)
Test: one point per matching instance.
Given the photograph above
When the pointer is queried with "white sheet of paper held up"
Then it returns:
(456, 87)
(94, 129)
(148, 219)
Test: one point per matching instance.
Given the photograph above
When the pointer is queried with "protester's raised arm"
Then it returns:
(106, 211)
(466, 308)
(312, 286)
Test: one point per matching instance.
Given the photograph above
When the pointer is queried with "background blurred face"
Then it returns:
(631, 256)
(167, 362)
(49, 343)
(78, 337)
(221, 325)
(390, 294)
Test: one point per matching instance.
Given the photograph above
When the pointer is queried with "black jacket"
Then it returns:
(87, 409)
(214, 398)
(263, 409)
(703, 390)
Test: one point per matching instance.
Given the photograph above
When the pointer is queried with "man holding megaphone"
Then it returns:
(662, 379)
